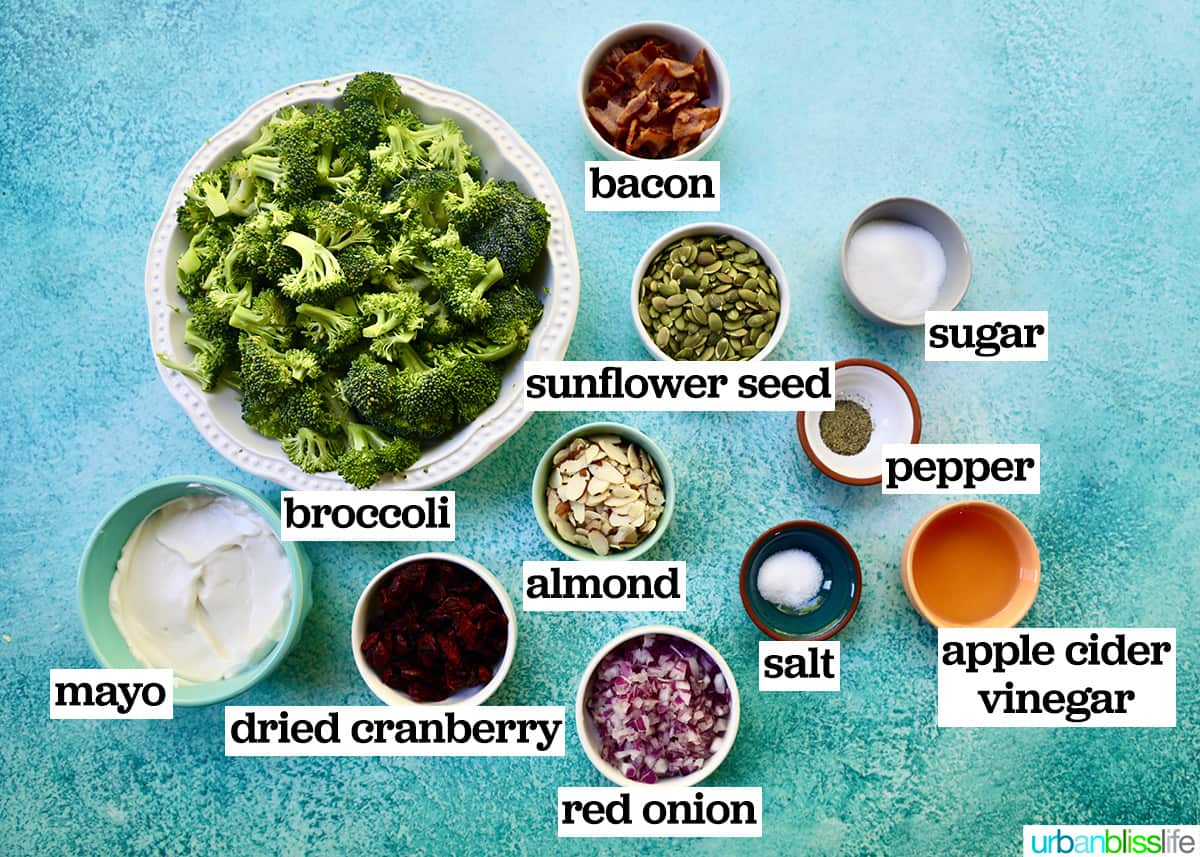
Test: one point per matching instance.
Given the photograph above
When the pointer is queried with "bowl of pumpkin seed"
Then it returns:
(709, 291)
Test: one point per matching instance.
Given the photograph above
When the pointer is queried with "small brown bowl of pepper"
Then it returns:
(653, 91)
(434, 629)
(875, 406)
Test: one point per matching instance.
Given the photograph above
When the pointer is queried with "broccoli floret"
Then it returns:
(475, 386)
(450, 151)
(267, 374)
(319, 279)
(203, 202)
(292, 171)
(312, 452)
(419, 194)
(268, 315)
(369, 388)
(476, 347)
(425, 407)
(362, 266)
(212, 340)
(205, 250)
(289, 121)
(330, 330)
(516, 310)
(369, 454)
(462, 277)
(398, 318)
(440, 325)
(258, 243)
(367, 100)
(245, 192)
(335, 226)
(328, 130)
(500, 222)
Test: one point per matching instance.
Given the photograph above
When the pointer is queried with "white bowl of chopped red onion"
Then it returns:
(657, 704)
(676, 118)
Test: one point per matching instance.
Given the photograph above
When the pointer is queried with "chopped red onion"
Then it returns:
(661, 708)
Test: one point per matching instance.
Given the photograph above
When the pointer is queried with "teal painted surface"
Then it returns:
(1063, 138)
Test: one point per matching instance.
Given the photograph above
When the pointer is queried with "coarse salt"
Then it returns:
(790, 578)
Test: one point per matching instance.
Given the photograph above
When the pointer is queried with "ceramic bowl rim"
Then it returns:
(756, 547)
(914, 406)
(735, 707)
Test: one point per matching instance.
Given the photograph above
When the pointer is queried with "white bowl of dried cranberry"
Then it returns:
(630, 115)
(636, 692)
(462, 661)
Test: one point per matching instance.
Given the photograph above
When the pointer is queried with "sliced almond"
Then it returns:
(609, 473)
(597, 485)
(561, 455)
(613, 451)
(572, 465)
(654, 495)
(592, 453)
(577, 510)
(598, 543)
(572, 489)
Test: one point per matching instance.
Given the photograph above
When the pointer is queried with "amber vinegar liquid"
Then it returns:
(965, 566)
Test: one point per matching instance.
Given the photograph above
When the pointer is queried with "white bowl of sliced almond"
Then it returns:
(603, 491)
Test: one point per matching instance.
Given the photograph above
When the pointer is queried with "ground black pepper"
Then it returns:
(846, 429)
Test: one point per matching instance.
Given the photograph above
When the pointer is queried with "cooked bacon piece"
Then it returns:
(633, 107)
(648, 115)
(598, 96)
(703, 74)
(678, 99)
(652, 140)
(631, 135)
(607, 118)
(607, 78)
(693, 121)
(664, 68)
(633, 64)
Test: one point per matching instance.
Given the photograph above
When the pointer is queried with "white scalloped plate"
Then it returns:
(504, 155)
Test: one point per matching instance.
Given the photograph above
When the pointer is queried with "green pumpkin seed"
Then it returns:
(763, 339)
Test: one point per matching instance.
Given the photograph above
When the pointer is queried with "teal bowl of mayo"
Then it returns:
(189, 573)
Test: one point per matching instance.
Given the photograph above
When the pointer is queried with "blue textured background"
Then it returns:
(1064, 139)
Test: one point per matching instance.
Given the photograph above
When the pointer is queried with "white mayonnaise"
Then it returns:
(202, 587)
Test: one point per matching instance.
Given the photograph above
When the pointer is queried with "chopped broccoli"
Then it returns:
(367, 101)
(212, 340)
(203, 202)
(292, 171)
(268, 315)
(258, 243)
(330, 330)
(335, 226)
(498, 221)
(398, 318)
(205, 250)
(312, 452)
(369, 454)
(462, 277)
(267, 373)
(319, 277)
(362, 266)
(516, 310)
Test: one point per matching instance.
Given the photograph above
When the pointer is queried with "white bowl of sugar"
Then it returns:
(901, 257)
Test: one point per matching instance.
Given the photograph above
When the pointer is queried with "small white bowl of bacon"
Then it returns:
(653, 91)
